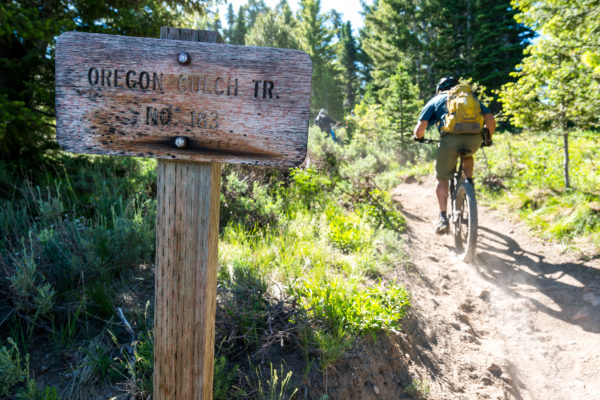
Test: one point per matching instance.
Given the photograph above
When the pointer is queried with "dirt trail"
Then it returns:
(522, 322)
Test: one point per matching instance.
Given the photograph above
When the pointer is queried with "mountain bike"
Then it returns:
(463, 209)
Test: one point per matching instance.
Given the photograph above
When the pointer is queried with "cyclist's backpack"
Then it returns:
(464, 111)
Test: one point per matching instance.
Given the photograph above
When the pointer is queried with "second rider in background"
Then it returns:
(457, 133)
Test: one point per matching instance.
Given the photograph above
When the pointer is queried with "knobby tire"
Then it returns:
(466, 209)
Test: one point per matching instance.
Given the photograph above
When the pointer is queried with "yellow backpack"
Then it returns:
(464, 111)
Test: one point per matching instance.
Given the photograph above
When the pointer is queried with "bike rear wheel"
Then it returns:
(465, 222)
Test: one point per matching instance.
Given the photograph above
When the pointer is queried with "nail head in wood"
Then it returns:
(184, 58)
(180, 142)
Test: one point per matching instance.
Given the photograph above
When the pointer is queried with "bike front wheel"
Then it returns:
(465, 222)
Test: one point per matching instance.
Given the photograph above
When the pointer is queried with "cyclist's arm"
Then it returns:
(420, 128)
(490, 122)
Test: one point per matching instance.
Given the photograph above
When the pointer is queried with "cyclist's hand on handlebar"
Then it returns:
(420, 140)
(486, 139)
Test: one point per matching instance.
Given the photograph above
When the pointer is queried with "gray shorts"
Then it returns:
(447, 155)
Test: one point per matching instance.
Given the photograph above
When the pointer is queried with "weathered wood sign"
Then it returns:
(183, 100)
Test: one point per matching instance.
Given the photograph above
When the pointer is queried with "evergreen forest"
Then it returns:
(312, 260)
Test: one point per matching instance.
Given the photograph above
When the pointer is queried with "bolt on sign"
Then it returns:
(190, 101)
(192, 104)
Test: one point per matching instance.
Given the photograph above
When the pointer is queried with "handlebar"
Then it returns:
(485, 136)
(425, 140)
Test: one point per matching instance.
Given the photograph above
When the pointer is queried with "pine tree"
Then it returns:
(238, 34)
(402, 103)
(471, 38)
(216, 25)
(390, 36)
(271, 30)
(348, 58)
(227, 33)
(288, 16)
(253, 9)
(315, 39)
(498, 45)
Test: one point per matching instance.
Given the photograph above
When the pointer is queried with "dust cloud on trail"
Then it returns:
(521, 322)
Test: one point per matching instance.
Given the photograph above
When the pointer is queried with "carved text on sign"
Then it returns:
(149, 80)
(125, 79)
(204, 84)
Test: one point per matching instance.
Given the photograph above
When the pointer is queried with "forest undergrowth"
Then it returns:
(303, 256)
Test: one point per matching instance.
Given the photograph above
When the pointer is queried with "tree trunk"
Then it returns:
(566, 160)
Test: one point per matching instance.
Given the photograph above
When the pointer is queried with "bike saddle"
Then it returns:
(464, 152)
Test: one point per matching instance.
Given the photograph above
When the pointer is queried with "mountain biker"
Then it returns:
(324, 122)
(433, 113)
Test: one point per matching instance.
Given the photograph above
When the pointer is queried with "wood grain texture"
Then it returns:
(130, 96)
(187, 228)
(186, 279)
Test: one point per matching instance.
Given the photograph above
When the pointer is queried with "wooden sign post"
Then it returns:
(192, 106)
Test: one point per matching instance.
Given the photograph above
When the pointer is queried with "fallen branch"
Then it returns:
(130, 348)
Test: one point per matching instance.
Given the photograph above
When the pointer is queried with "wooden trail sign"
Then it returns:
(134, 96)
(183, 101)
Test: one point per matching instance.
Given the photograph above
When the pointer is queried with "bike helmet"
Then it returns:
(446, 83)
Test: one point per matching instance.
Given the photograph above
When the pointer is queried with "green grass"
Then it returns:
(302, 257)
(332, 240)
(526, 175)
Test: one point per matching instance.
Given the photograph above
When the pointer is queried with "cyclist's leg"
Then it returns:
(446, 158)
(441, 192)
(468, 164)
(471, 142)
(445, 163)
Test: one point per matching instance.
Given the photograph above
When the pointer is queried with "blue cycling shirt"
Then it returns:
(435, 110)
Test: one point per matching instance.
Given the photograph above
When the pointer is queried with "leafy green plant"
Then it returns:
(12, 371)
(340, 302)
(537, 193)
(250, 203)
(419, 389)
(15, 370)
(347, 231)
(33, 392)
(330, 345)
(309, 186)
(381, 211)
(223, 378)
(244, 301)
(32, 294)
(273, 387)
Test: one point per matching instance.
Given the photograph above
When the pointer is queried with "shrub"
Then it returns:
(223, 378)
(347, 231)
(248, 203)
(343, 303)
(69, 234)
(12, 371)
